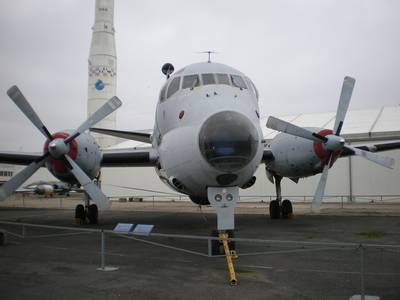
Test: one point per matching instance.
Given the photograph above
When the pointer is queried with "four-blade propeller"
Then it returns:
(332, 143)
(58, 148)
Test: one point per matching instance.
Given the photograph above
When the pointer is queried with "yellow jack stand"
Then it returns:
(77, 221)
(229, 255)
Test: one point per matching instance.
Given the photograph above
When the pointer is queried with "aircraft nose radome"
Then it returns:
(228, 141)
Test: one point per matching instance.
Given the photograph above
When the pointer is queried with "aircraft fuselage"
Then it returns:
(207, 130)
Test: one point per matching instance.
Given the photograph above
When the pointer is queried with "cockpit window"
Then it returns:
(257, 94)
(190, 81)
(223, 79)
(208, 78)
(173, 86)
(238, 82)
(162, 93)
(252, 87)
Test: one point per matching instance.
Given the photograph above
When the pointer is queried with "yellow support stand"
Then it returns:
(229, 255)
(77, 221)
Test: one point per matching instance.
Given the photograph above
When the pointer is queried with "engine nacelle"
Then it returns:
(83, 150)
(296, 157)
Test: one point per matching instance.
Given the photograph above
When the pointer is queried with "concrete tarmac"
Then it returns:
(44, 266)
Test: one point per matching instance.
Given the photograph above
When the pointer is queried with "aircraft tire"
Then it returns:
(80, 213)
(287, 209)
(274, 209)
(93, 214)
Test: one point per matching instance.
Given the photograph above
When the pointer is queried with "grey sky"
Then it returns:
(296, 52)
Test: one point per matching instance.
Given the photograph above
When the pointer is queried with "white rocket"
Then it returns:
(103, 67)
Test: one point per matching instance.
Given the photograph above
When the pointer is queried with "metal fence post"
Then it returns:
(103, 246)
(362, 271)
(209, 247)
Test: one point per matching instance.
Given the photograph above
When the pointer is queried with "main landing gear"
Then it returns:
(277, 207)
(89, 213)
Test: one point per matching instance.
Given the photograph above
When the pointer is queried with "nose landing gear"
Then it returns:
(223, 200)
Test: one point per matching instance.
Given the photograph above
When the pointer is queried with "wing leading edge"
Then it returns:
(130, 157)
(140, 136)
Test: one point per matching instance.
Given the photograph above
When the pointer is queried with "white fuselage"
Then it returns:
(221, 119)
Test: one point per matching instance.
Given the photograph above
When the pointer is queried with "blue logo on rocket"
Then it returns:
(99, 85)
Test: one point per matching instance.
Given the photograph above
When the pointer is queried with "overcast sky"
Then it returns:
(296, 52)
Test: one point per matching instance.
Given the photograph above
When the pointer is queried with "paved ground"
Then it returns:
(64, 267)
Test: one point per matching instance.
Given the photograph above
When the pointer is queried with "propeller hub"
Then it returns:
(58, 148)
(334, 143)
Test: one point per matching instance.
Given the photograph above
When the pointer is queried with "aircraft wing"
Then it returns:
(18, 158)
(130, 157)
(25, 191)
(267, 156)
(372, 148)
(140, 136)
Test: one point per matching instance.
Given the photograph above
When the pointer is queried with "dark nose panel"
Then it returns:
(226, 179)
(228, 141)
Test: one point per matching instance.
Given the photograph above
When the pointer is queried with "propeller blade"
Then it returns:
(319, 193)
(381, 160)
(93, 190)
(108, 107)
(289, 128)
(19, 99)
(344, 101)
(10, 186)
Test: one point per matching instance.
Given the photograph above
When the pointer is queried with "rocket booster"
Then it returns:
(103, 67)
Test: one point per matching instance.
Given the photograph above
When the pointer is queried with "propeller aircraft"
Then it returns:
(206, 143)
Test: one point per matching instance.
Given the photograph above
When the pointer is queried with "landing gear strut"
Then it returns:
(223, 200)
(277, 207)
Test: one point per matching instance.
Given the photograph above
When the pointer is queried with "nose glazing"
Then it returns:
(228, 141)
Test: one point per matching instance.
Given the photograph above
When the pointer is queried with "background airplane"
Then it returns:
(49, 188)
(206, 143)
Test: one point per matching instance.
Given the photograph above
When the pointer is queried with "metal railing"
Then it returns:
(286, 245)
(267, 198)
(182, 200)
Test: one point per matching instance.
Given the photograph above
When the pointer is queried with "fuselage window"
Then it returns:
(173, 86)
(162, 93)
(238, 82)
(223, 79)
(190, 81)
(208, 78)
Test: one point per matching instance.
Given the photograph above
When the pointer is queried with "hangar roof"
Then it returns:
(360, 125)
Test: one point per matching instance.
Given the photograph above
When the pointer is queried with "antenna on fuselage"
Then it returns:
(209, 54)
